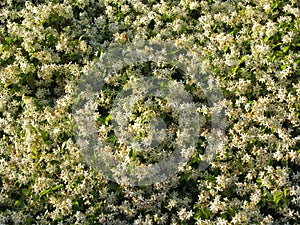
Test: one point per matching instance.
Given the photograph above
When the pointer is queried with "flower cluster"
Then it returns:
(251, 48)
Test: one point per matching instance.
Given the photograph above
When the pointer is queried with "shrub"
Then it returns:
(250, 47)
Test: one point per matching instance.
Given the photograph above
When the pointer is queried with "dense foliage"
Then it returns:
(252, 48)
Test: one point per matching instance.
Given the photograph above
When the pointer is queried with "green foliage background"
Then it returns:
(251, 47)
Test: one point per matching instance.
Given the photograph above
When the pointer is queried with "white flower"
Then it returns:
(184, 215)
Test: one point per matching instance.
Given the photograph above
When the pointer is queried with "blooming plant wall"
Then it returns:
(252, 48)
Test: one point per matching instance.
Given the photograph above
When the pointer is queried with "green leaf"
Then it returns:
(75, 203)
(45, 192)
(273, 58)
(234, 69)
(49, 190)
(275, 4)
(107, 119)
(224, 216)
(132, 154)
(235, 31)
(17, 203)
(203, 213)
(25, 191)
(259, 182)
(211, 178)
(56, 187)
(266, 38)
(279, 53)
(285, 49)
(285, 192)
(197, 215)
(277, 196)
(231, 212)
(112, 138)
(278, 44)
(215, 27)
(67, 29)
(225, 48)
(196, 206)
(243, 59)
